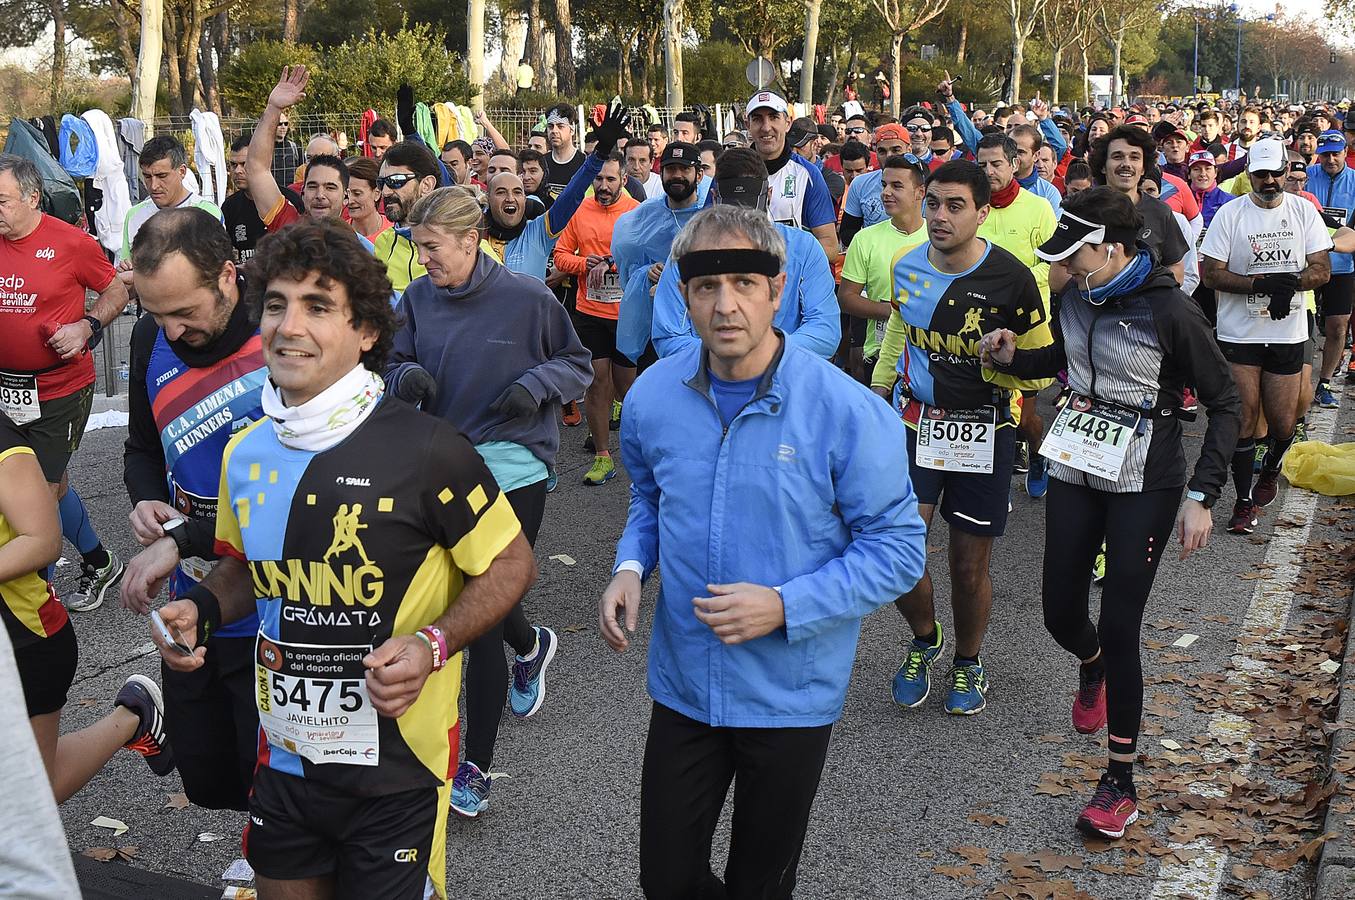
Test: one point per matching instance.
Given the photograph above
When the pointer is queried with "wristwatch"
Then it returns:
(1201, 498)
(174, 529)
(96, 331)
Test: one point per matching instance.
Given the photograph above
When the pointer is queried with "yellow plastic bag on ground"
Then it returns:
(1325, 468)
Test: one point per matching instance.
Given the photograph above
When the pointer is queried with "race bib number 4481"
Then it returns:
(313, 702)
(1092, 436)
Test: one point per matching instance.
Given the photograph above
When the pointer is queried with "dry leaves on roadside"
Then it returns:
(108, 854)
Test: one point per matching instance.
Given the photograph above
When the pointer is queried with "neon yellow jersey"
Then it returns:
(1019, 228)
(870, 262)
(400, 256)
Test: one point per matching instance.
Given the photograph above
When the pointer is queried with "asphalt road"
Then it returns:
(899, 788)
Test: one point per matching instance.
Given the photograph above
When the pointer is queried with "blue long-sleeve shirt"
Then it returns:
(809, 313)
(806, 491)
(527, 253)
(970, 136)
(1337, 196)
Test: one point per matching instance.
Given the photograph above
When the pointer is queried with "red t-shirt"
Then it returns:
(281, 215)
(43, 279)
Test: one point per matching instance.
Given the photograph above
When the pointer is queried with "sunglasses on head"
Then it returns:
(395, 182)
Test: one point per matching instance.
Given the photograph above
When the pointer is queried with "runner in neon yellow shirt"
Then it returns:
(868, 273)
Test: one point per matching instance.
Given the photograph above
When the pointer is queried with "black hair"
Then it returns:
(656, 128)
(1135, 137)
(527, 154)
(1001, 142)
(330, 249)
(690, 118)
(1027, 130)
(241, 143)
(332, 162)
(590, 137)
(190, 231)
(504, 151)
(382, 128)
(459, 146)
(1109, 207)
(563, 110)
(945, 132)
(641, 144)
(713, 146)
(165, 146)
(1078, 170)
(900, 161)
(740, 162)
(413, 156)
(962, 171)
(854, 150)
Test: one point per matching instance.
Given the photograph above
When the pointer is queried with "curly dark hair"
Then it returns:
(1133, 136)
(330, 249)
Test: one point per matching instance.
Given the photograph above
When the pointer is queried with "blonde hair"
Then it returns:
(454, 209)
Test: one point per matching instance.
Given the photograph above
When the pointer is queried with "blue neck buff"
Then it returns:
(1131, 277)
(1029, 181)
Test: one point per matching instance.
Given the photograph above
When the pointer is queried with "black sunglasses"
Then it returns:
(1276, 174)
(395, 182)
(856, 130)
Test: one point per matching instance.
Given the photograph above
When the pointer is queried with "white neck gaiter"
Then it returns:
(328, 417)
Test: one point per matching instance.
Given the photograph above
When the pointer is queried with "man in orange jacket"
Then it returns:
(584, 250)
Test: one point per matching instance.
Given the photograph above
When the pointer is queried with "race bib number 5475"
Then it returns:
(313, 702)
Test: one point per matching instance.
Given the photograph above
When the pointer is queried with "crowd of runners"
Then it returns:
(349, 385)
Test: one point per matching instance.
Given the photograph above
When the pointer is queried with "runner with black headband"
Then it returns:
(1130, 340)
(708, 435)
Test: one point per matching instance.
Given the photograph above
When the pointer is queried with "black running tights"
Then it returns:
(487, 668)
(1137, 529)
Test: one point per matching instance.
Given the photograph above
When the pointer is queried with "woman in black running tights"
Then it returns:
(1130, 340)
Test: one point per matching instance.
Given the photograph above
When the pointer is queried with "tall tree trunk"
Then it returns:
(291, 20)
(475, 58)
(964, 41)
(1018, 58)
(564, 49)
(811, 54)
(651, 59)
(1116, 85)
(834, 74)
(1054, 77)
(190, 35)
(896, 70)
(122, 25)
(173, 73)
(58, 87)
(674, 25)
(207, 67)
(533, 50)
(1086, 78)
(146, 75)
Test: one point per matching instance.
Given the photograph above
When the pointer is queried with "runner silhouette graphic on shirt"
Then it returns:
(346, 528)
(971, 321)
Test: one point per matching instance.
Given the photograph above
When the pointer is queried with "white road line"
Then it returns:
(1272, 600)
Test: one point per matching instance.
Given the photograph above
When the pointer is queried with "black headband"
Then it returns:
(724, 262)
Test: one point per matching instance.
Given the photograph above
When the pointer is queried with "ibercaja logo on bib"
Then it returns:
(270, 655)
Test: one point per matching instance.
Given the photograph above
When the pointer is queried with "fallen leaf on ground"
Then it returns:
(987, 820)
(176, 801)
(564, 558)
(119, 827)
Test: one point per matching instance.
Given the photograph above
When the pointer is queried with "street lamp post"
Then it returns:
(1195, 81)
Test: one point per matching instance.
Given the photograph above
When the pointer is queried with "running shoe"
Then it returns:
(615, 423)
(1262, 448)
(573, 417)
(1244, 518)
(1037, 479)
(1089, 703)
(1266, 487)
(1325, 398)
(1300, 432)
(1113, 808)
(528, 690)
(913, 681)
(470, 790)
(603, 471)
(1099, 565)
(142, 696)
(1188, 401)
(1022, 464)
(94, 584)
(1350, 368)
(968, 690)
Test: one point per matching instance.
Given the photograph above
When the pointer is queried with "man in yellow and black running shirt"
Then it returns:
(375, 544)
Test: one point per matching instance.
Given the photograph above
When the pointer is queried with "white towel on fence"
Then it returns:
(110, 179)
(209, 154)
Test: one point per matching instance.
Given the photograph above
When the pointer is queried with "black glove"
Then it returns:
(1281, 286)
(612, 129)
(516, 403)
(416, 386)
(404, 109)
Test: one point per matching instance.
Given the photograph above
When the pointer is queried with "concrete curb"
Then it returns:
(1336, 867)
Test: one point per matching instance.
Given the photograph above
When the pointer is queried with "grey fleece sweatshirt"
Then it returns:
(475, 340)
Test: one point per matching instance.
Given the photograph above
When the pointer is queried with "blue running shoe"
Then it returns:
(913, 680)
(968, 685)
(552, 479)
(528, 690)
(470, 790)
(1037, 479)
(1325, 398)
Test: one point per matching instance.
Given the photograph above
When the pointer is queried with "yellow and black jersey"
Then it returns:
(348, 546)
(27, 604)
